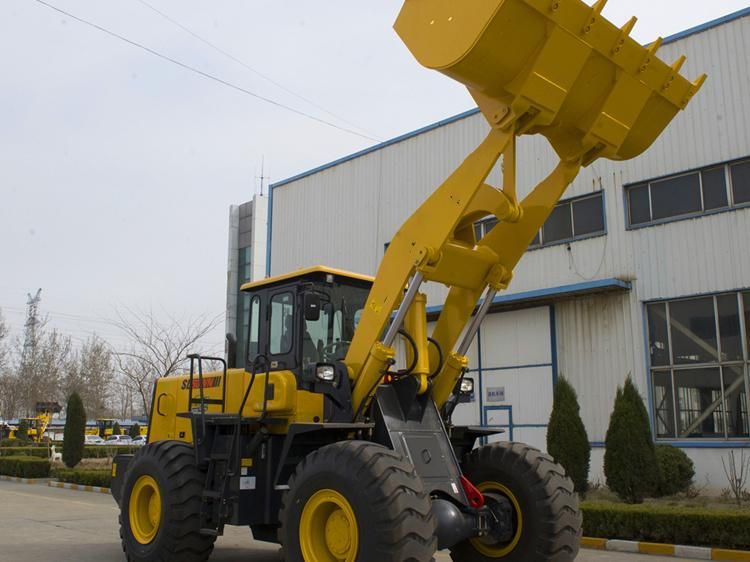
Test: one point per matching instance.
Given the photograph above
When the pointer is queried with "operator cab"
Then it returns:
(303, 321)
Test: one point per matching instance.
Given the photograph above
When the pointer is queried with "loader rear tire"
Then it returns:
(357, 501)
(160, 506)
(546, 514)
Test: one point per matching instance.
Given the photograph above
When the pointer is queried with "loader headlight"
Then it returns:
(467, 386)
(325, 373)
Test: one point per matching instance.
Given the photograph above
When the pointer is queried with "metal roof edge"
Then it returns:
(707, 25)
(406, 136)
(553, 293)
(380, 146)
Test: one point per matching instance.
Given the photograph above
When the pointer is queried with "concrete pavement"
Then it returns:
(52, 525)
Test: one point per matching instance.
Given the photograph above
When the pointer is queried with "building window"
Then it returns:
(698, 350)
(572, 219)
(689, 195)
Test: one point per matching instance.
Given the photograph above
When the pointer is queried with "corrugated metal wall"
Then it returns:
(344, 215)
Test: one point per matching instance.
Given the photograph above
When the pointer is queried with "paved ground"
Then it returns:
(52, 525)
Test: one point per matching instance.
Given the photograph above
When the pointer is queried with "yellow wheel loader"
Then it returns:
(330, 442)
(37, 427)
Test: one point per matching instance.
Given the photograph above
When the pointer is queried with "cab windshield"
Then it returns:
(327, 338)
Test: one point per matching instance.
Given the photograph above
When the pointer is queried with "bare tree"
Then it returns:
(737, 472)
(90, 373)
(10, 396)
(157, 349)
(3, 347)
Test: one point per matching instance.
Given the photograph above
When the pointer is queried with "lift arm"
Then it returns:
(550, 67)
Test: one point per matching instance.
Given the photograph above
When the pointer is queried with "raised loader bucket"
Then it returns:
(552, 67)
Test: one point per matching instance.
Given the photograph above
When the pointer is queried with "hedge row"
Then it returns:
(105, 451)
(39, 452)
(89, 452)
(671, 525)
(24, 467)
(101, 478)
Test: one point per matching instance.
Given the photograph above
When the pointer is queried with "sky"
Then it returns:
(117, 167)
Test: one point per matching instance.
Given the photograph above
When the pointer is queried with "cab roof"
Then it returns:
(304, 273)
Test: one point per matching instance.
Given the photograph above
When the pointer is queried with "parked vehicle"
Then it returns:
(93, 440)
(140, 440)
(119, 440)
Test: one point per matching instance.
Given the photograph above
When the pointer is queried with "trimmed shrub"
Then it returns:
(24, 467)
(630, 460)
(22, 433)
(75, 431)
(107, 451)
(102, 478)
(39, 452)
(116, 430)
(135, 431)
(567, 440)
(671, 525)
(676, 470)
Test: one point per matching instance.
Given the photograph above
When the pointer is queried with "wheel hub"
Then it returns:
(328, 529)
(145, 510)
(338, 533)
(506, 510)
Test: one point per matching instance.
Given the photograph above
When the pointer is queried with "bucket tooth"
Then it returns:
(677, 65)
(625, 31)
(694, 87)
(596, 11)
(651, 54)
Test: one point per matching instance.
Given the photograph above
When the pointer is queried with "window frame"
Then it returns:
(564, 241)
(728, 184)
(670, 369)
(271, 297)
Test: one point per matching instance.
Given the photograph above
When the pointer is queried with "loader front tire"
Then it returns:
(160, 506)
(547, 519)
(356, 501)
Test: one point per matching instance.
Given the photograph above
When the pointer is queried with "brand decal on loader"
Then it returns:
(209, 382)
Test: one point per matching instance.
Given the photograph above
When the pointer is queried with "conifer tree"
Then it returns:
(630, 459)
(567, 440)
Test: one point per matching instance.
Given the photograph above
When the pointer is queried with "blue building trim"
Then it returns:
(480, 371)
(707, 25)
(508, 425)
(269, 231)
(377, 147)
(553, 344)
(512, 367)
(575, 289)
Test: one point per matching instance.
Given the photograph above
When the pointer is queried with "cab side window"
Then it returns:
(253, 345)
(282, 324)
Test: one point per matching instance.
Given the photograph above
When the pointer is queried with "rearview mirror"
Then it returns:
(312, 307)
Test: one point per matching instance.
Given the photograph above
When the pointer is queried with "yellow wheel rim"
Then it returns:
(328, 530)
(503, 549)
(145, 509)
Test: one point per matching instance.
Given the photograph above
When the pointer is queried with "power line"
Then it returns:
(248, 67)
(205, 74)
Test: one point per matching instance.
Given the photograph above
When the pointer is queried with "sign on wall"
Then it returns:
(496, 394)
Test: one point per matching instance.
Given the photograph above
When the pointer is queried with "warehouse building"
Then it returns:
(643, 269)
